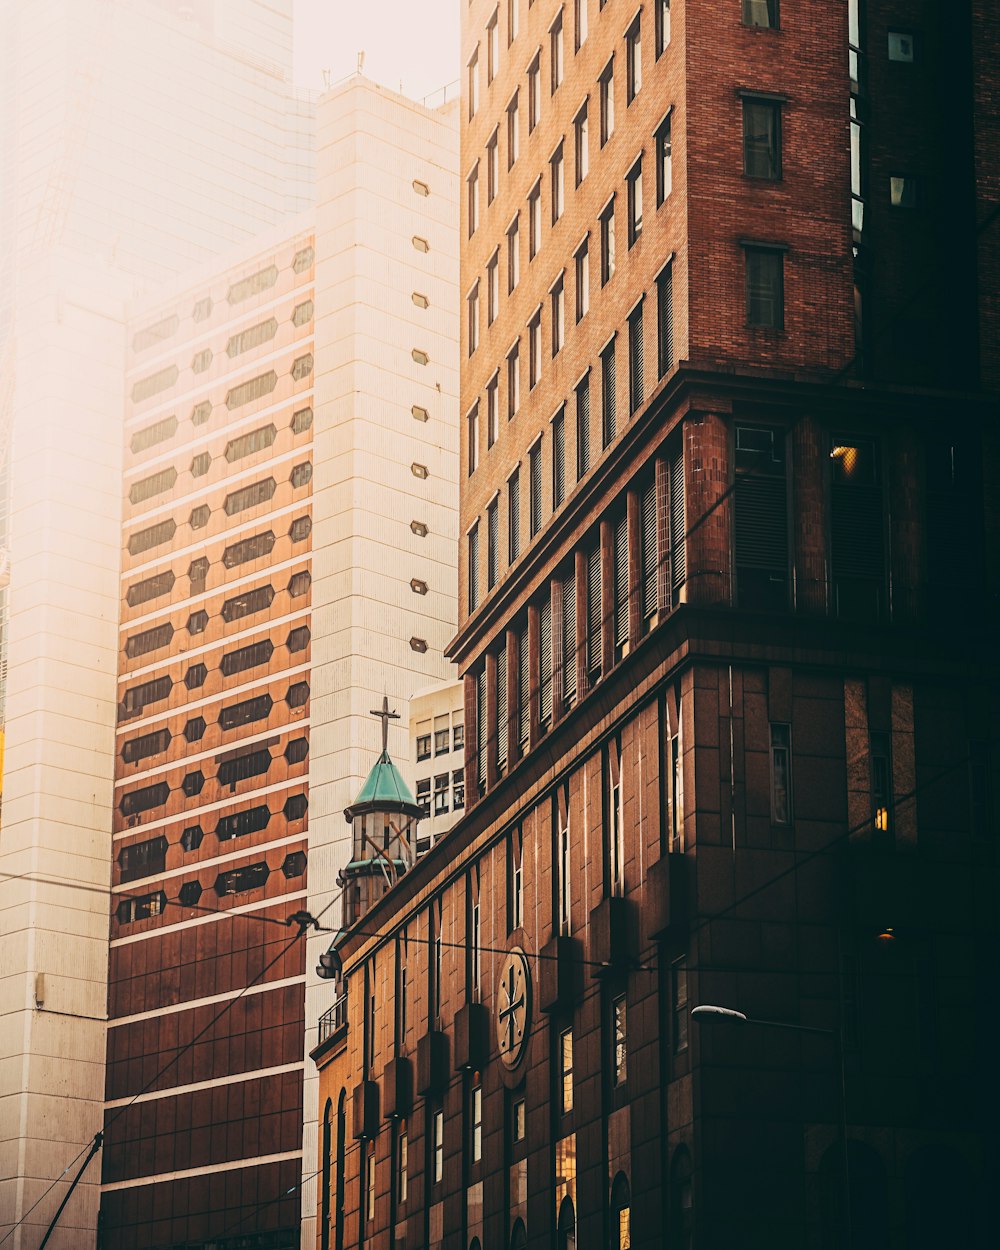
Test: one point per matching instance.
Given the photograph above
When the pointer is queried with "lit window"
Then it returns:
(438, 1144)
(619, 1057)
(615, 831)
(903, 191)
(476, 1118)
(559, 457)
(902, 47)
(882, 802)
(762, 13)
(402, 1166)
(565, 1093)
(563, 851)
(512, 20)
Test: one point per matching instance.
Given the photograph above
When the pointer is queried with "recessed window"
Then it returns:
(781, 774)
(664, 161)
(152, 536)
(761, 138)
(421, 188)
(765, 287)
(664, 320)
(472, 438)
(474, 567)
(245, 712)
(762, 13)
(303, 259)
(155, 484)
(255, 388)
(473, 84)
(417, 586)
(201, 413)
(192, 837)
(608, 243)
(419, 470)
(298, 639)
(302, 420)
(636, 383)
(633, 59)
(581, 144)
(255, 336)
(492, 167)
(419, 356)
(419, 413)
(254, 284)
(299, 584)
(535, 489)
(245, 658)
(252, 496)
(419, 645)
(149, 640)
(198, 572)
(419, 528)
(556, 51)
(242, 880)
(903, 191)
(158, 432)
(557, 172)
(607, 86)
(609, 418)
(302, 313)
(247, 604)
(472, 312)
(492, 544)
(492, 410)
(149, 588)
(558, 311)
(534, 350)
(580, 15)
(513, 381)
(513, 254)
(197, 622)
(492, 47)
(662, 11)
(582, 262)
(583, 427)
(201, 464)
(534, 92)
(138, 698)
(154, 334)
(196, 676)
(300, 529)
(902, 47)
(513, 516)
(559, 457)
(565, 1090)
(472, 183)
(513, 132)
(202, 309)
(420, 244)
(296, 806)
(146, 388)
(534, 220)
(249, 444)
(254, 548)
(493, 288)
(633, 185)
(420, 300)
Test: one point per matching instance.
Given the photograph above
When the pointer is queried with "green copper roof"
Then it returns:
(385, 789)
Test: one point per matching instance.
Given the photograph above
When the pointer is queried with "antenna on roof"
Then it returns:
(361, 61)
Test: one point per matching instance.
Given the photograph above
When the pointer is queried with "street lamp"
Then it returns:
(710, 1011)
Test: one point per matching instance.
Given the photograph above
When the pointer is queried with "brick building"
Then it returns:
(721, 531)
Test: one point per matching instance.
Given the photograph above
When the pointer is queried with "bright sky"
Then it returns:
(408, 42)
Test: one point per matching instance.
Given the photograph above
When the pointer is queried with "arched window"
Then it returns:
(518, 1236)
(566, 1225)
(681, 1200)
(341, 1162)
(475, 1244)
(621, 1213)
(327, 1162)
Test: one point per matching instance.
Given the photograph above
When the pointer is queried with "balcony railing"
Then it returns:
(332, 1021)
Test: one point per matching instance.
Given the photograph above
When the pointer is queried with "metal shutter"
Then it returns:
(620, 571)
(665, 320)
(514, 516)
(545, 661)
(594, 611)
(474, 567)
(569, 638)
(492, 543)
(761, 538)
(647, 524)
(523, 690)
(635, 360)
(608, 416)
(535, 486)
(558, 459)
(583, 428)
(481, 730)
(678, 553)
(502, 709)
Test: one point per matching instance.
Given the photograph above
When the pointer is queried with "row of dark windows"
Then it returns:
(253, 284)
(258, 493)
(238, 661)
(243, 445)
(237, 767)
(163, 480)
(238, 396)
(255, 548)
(144, 859)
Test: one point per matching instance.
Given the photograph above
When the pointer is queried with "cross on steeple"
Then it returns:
(385, 716)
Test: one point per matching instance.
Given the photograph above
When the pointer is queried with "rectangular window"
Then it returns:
(619, 582)
(436, 967)
(458, 789)
(679, 1004)
(662, 26)
(513, 254)
(557, 171)
(581, 144)
(902, 46)
(882, 804)
(580, 13)
(583, 427)
(534, 220)
(476, 1123)
(545, 663)
(761, 13)
(474, 567)
(474, 84)
(512, 16)
(458, 737)
(559, 457)
(781, 774)
(649, 565)
(513, 381)
(482, 730)
(493, 288)
(438, 1146)
(515, 880)
(562, 858)
(472, 425)
(534, 350)
(423, 740)
(534, 92)
(402, 1166)
(636, 391)
(566, 1072)
(620, 1033)
(857, 528)
(761, 138)
(558, 301)
(760, 523)
(594, 657)
(765, 287)
(609, 418)
(424, 797)
(556, 51)
(633, 60)
(442, 735)
(518, 1120)
(370, 1182)
(615, 832)
(633, 183)
(903, 191)
(441, 787)
(474, 921)
(607, 84)
(569, 638)
(678, 538)
(664, 158)
(492, 166)
(472, 304)
(513, 132)
(535, 489)
(514, 516)
(472, 183)
(582, 258)
(503, 711)
(492, 544)
(665, 320)
(608, 243)
(492, 47)
(492, 406)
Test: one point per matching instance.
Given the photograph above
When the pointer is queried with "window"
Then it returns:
(518, 1120)
(608, 242)
(534, 92)
(492, 417)
(662, 26)
(765, 287)
(565, 1093)
(492, 167)
(619, 1058)
(492, 544)
(438, 1145)
(513, 381)
(436, 965)
(141, 907)
(514, 516)
(263, 280)
(649, 566)
(664, 168)
(633, 60)
(442, 736)
(621, 1214)
(557, 169)
(558, 301)
(582, 258)
(594, 656)
(476, 1122)
(609, 420)
(534, 220)
(569, 638)
(474, 84)
(472, 426)
(472, 183)
(301, 420)
(441, 788)
(619, 584)
(607, 84)
(614, 829)
(255, 336)
(146, 388)
(903, 191)
(149, 588)
(402, 1164)
(154, 536)
(761, 13)
(458, 789)
(556, 51)
(545, 663)
(136, 749)
(534, 350)
(635, 359)
(302, 367)
(301, 474)
(149, 640)
(254, 548)
(857, 541)
(424, 797)
(242, 880)
(559, 457)
(580, 14)
(247, 392)
(679, 1003)
(583, 427)
(761, 138)
(245, 712)
(155, 484)
(492, 47)
(249, 444)
(150, 435)
(503, 709)
(515, 880)
(781, 775)
(760, 537)
(675, 765)
(882, 802)
(513, 254)
(424, 740)
(665, 320)
(474, 567)
(512, 20)
(513, 135)
(633, 183)
(581, 144)
(251, 496)
(902, 47)
(535, 489)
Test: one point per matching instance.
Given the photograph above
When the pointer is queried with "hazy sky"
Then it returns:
(410, 41)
